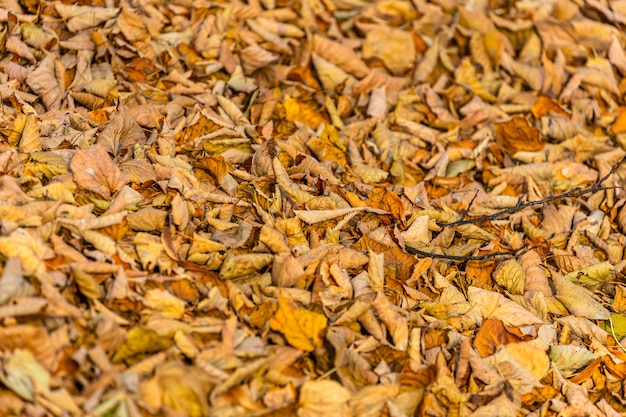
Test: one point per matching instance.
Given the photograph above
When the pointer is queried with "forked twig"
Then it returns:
(506, 255)
(573, 193)
(494, 256)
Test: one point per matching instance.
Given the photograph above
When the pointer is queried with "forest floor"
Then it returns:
(312, 208)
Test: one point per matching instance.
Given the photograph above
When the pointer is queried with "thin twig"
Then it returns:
(573, 193)
(494, 256)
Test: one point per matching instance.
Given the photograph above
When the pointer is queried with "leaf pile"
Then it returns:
(213, 208)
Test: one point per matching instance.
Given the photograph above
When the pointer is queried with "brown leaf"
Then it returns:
(44, 82)
(517, 135)
(94, 170)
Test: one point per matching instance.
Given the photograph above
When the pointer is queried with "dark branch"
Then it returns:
(573, 193)
(494, 256)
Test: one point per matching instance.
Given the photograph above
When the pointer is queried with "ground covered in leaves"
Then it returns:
(312, 208)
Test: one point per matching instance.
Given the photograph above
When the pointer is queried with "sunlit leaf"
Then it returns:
(301, 327)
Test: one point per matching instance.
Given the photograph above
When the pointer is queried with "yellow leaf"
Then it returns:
(301, 327)
(241, 265)
(303, 113)
(30, 140)
(30, 250)
(328, 146)
(323, 398)
(140, 341)
(490, 304)
(165, 303)
(24, 375)
(393, 46)
(510, 275)
(577, 300)
(147, 219)
(183, 389)
(86, 284)
(49, 164)
(571, 357)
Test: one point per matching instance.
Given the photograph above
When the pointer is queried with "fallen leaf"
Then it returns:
(94, 170)
(517, 135)
(302, 328)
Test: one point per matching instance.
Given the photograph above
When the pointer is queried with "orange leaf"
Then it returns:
(387, 200)
(492, 335)
(517, 135)
(544, 106)
(217, 165)
(620, 123)
(303, 113)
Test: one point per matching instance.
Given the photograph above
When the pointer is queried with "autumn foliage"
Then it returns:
(312, 208)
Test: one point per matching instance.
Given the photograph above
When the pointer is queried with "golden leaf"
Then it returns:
(183, 389)
(30, 140)
(140, 341)
(86, 284)
(131, 25)
(303, 113)
(78, 18)
(340, 55)
(30, 250)
(393, 46)
(24, 375)
(147, 219)
(302, 328)
(323, 398)
(510, 275)
(328, 146)
(577, 300)
(493, 305)
(330, 75)
(545, 106)
(165, 303)
(369, 174)
(236, 266)
(216, 165)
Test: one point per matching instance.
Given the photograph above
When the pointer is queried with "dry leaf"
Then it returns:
(517, 135)
(393, 46)
(342, 208)
(302, 328)
(94, 170)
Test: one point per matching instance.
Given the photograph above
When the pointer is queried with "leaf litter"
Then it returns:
(318, 208)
